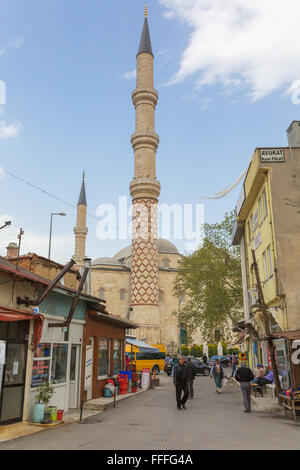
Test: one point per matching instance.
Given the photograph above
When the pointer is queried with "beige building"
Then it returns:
(137, 283)
(268, 223)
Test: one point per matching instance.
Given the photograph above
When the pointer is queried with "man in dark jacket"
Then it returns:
(180, 381)
(191, 371)
(244, 375)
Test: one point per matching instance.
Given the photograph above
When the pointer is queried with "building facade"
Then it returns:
(268, 223)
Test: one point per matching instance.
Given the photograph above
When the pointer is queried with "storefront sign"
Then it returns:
(272, 155)
(296, 354)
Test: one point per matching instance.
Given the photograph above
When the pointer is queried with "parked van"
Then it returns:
(147, 360)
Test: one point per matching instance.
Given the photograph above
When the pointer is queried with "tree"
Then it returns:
(212, 280)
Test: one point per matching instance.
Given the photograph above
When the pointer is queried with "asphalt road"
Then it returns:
(151, 421)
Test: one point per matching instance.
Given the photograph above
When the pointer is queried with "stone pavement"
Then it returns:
(91, 408)
(151, 421)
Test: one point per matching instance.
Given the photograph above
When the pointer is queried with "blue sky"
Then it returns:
(224, 89)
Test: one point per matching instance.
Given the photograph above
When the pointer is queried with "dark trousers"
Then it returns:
(191, 388)
(262, 381)
(246, 392)
(182, 387)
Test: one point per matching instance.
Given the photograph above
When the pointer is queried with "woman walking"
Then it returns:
(217, 372)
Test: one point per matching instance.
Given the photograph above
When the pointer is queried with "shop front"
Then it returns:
(103, 351)
(16, 327)
(57, 360)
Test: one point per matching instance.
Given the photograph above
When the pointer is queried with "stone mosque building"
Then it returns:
(137, 282)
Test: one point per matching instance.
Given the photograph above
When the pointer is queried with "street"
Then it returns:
(151, 421)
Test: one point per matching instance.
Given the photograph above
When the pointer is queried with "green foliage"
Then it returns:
(196, 350)
(45, 392)
(211, 277)
(212, 350)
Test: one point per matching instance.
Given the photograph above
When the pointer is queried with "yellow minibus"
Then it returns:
(147, 360)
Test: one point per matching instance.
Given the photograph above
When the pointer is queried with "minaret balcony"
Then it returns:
(144, 188)
(144, 139)
(145, 95)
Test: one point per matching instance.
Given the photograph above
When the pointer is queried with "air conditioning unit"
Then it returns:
(253, 297)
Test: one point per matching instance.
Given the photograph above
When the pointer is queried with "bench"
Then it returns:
(291, 405)
(257, 388)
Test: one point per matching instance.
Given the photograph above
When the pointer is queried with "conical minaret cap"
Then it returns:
(82, 196)
(145, 43)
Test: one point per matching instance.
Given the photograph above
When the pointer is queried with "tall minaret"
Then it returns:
(80, 230)
(144, 190)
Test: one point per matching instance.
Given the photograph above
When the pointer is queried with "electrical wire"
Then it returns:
(47, 193)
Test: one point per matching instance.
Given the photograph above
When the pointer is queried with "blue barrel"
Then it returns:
(38, 412)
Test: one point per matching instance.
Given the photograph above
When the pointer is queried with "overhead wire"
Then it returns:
(47, 193)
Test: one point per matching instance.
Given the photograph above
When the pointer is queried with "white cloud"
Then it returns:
(254, 44)
(1, 173)
(129, 75)
(9, 131)
(11, 45)
(61, 245)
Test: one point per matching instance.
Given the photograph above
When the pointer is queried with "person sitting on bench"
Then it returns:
(267, 379)
(260, 372)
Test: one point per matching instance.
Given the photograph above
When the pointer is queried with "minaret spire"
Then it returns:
(144, 190)
(145, 42)
(81, 230)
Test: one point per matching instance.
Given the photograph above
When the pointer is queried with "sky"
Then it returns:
(228, 77)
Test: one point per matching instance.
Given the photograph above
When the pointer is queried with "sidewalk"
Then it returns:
(102, 403)
(265, 404)
(91, 408)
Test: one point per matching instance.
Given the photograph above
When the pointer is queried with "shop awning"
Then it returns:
(141, 345)
(287, 334)
(9, 314)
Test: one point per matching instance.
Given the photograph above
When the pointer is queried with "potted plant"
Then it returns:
(44, 393)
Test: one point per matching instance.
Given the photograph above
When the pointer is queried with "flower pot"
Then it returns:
(38, 412)
(53, 413)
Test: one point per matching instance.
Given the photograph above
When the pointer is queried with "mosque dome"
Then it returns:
(164, 246)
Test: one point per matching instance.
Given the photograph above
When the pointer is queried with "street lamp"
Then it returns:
(50, 235)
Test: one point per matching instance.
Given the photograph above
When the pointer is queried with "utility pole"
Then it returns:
(179, 313)
(267, 326)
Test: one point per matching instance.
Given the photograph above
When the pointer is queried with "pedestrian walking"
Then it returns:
(204, 358)
(167, 359)
(244, 376)
(180, 381)
(235, 362)
(174, 364)
(217, 372)
(191, 370)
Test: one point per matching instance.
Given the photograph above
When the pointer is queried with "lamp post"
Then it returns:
(179, 317)
(50, 235)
